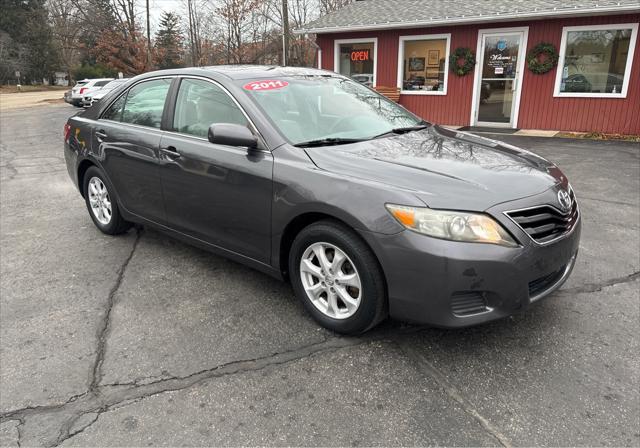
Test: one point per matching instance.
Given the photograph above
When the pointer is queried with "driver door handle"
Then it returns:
(171, 152)
(100, 135)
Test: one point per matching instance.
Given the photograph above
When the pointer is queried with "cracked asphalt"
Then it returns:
(142, 340)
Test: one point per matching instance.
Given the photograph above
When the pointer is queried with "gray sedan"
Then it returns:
(309, 176)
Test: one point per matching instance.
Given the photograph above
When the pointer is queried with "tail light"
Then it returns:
(83, 89)
(67, 131)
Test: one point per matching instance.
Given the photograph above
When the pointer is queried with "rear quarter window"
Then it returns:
(114, 112)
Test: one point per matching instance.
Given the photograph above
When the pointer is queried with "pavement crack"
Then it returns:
(60, 420)
(425, 365)
(246, 365)
(105, 327)
(19, 413)
(597, 287)
(19, 431)
(65, 432)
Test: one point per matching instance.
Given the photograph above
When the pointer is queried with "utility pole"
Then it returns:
(285, 32)
(148, 39)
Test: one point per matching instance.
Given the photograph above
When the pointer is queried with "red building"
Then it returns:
(407, 44)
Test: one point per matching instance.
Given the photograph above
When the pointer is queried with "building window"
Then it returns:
(356, 58)
(595, 61)
(422, 64)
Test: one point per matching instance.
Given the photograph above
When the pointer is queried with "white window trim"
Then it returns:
(320, 58)
(627, 72)
(364, 40)
(401, 42)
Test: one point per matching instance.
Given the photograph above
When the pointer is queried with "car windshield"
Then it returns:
(314, 108)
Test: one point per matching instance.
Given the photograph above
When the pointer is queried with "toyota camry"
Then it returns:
(368, 210)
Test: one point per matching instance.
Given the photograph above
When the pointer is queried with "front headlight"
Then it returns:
(449, 225)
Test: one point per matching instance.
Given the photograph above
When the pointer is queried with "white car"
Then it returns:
(82, 87)
(94, 95)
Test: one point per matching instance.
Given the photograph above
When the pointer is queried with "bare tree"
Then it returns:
(125, 11)
(195, 38)
(237, 15)
(66, 25)
(327, 6)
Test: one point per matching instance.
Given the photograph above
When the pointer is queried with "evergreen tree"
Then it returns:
(169, 42)
(26, 26)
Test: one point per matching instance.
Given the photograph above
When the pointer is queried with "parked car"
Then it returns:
(577, 83)
(364, 79)
(596, 82)
(414, 83)
(485, 91)
(96, 94)
(78, 91)
(309, 176)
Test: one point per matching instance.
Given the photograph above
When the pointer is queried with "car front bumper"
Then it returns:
(457, 284)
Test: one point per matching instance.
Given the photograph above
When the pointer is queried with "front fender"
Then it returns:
(300, 187)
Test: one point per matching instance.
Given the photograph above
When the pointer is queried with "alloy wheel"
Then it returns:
(330, 280)
(100, 201)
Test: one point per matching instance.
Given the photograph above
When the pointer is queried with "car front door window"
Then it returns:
(201, 104)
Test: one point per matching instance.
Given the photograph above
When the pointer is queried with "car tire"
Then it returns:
(102, 204)
(366, 303)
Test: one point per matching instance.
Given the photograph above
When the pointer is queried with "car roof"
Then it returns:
(245, 71)
(262, 71)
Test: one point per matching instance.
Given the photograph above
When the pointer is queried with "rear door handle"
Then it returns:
(101, 134)
(171, 152)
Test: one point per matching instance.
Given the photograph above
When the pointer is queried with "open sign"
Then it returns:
(268, 84)
(360, 55)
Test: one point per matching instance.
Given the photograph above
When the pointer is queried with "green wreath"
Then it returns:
(468, 61)
(547, 63)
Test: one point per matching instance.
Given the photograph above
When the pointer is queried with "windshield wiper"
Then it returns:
(327, 142)
(397, 131)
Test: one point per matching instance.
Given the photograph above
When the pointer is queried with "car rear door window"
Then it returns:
(145, 103)
(201, 104)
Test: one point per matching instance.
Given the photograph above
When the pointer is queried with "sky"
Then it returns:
(156, 8)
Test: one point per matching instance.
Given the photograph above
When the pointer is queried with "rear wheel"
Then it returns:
(101, 203)
(338, 278)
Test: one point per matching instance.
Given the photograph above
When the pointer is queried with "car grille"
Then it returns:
(546, 223)
(467, 303)
(541, 284)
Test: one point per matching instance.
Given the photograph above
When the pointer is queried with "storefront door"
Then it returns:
(498, 79)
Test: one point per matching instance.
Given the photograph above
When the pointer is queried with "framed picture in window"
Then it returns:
(416, 64)
(433, 73)
(434, 58)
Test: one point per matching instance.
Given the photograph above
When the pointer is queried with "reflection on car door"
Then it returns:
(216, 193)
(128, 137)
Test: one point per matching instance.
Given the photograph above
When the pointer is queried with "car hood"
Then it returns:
(444, 168)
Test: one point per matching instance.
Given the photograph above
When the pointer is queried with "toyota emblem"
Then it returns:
(565, 200)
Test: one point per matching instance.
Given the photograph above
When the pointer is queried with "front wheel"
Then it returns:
(101, 203)
(338, 278)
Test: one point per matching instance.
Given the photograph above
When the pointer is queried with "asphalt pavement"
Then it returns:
(143, 340)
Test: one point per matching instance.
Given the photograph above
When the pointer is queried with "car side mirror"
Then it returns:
(232, 135)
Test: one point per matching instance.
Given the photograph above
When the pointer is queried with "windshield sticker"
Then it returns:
(269, 84)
